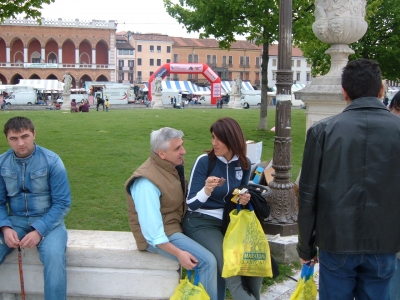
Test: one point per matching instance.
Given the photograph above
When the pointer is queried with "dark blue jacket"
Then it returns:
(235, 176)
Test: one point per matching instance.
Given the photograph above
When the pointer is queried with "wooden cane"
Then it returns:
(21, 274)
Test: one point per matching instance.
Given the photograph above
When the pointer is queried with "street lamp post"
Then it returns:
(282, 199)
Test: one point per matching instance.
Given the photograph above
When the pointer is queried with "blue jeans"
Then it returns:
(207, 264)
(51, 253)
(207, 231)
(395, 283)
(359, 276)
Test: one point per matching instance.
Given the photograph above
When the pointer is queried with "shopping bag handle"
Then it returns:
(307, 271)
(196, 275)
(239, 207)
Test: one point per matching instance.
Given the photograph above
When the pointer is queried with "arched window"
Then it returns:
(52, 58)
(85, 59)
(36, 57)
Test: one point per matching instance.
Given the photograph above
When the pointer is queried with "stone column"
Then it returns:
(43, 55)
(60, 58)
(8, 56)
(338, 23)
(25, 55)
(77, 56)
(93, 58)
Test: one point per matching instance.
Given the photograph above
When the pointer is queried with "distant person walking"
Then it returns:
(100, 101)
(349, 192)
(107, 105)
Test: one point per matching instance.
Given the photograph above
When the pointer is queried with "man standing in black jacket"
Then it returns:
(349, 191)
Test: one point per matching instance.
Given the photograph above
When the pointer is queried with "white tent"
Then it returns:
(42, 84)
(295, 87)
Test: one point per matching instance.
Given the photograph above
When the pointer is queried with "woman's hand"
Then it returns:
(210, 184)
(244, 198)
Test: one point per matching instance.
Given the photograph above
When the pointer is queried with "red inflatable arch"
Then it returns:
(189, 68)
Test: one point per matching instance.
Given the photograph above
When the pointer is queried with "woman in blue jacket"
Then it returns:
(209, 190)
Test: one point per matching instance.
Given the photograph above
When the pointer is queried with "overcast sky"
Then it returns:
(144, 16)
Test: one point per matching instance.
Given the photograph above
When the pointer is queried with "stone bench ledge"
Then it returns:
(100, 264)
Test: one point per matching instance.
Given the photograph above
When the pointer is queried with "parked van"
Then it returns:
(251, 97)
(205, 99)
(115, 93)
(297, 102)
(78, 98)
(21, 96)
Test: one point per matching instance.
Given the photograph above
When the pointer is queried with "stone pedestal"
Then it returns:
(157, 101)
(322, 101)
(66, 101)
(235, 101)
(338, 25)
(281, 229)
(283, 248)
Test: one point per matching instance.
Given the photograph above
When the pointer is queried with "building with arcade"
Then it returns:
(29, 50)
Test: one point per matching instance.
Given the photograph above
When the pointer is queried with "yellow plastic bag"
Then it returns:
(306, 288)
(245, 247)
(188, 290)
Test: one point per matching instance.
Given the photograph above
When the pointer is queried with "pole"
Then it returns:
(282, 198)
(21, 273)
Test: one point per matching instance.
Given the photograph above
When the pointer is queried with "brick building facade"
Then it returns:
(86, 49)
(154, 50)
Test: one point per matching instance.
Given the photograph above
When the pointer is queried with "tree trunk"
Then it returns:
(263, 124)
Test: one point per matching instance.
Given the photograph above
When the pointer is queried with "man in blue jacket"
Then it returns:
(349, 191)
(34, 198)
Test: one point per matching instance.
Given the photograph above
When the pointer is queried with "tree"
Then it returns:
(223, 19)
(30, 8)
(381, 41)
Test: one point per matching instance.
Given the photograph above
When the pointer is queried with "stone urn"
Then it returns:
(339, 23)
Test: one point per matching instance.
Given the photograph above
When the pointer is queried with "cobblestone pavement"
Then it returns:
(283, 290)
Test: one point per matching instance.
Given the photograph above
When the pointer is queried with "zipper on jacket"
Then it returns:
(23, 188)
(227, 180)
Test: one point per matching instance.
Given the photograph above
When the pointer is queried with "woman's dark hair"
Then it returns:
(395, 103)
(228, 131)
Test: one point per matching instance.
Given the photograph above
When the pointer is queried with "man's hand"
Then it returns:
(313, 261)
(187, 260)
(31, 240)
(10, 237)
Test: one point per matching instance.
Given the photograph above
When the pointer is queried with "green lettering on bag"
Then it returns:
(254, 256)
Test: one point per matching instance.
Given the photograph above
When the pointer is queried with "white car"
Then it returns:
(20, 99)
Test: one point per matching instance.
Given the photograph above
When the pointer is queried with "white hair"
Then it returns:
(160, 139)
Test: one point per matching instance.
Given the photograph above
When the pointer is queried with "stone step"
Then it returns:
(100, 265)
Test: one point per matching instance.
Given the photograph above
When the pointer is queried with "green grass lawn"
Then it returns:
(101, 150)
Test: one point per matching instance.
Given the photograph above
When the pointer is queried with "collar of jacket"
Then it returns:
(366, 102)
(25, 159)
(165, 164)
(223, 159)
